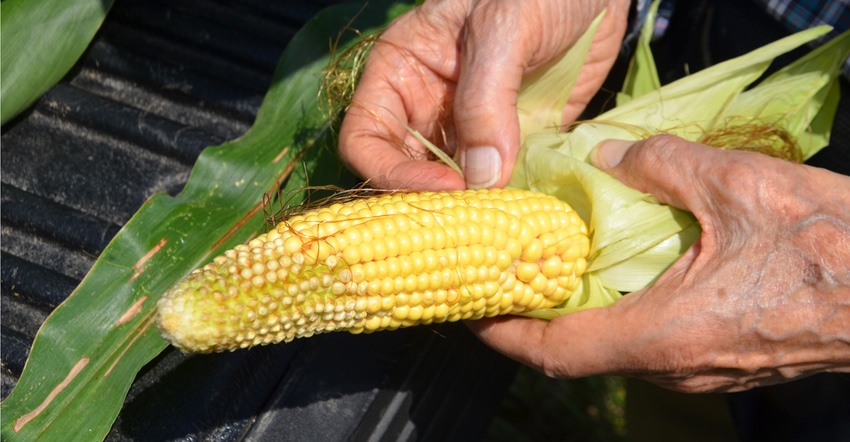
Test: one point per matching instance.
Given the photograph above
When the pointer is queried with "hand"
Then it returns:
(451, 70)
(761, 298)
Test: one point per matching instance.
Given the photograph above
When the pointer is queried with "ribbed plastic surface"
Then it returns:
(162, 81)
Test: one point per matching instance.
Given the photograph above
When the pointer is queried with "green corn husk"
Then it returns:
(634, 238)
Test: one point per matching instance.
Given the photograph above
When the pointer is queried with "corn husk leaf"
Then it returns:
(541, 106)
(634, 239)
(696, 103)
(642, 76)
(544, 93)
(802, 98)
(623, 223)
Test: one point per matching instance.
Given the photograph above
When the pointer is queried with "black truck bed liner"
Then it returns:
(162, 81)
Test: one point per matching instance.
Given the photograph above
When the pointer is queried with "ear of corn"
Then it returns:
(391, 261)
(417, 258)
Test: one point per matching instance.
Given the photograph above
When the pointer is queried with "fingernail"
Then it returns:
(482, 166)
(609, 153)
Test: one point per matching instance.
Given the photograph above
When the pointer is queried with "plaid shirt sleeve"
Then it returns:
(797, 15)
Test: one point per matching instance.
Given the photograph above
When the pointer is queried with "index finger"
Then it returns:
(376, 145)
(406, 83)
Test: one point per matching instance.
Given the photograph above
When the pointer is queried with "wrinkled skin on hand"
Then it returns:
(763, 297)
(451, 69)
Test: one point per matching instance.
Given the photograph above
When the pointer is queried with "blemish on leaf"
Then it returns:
(238, 225)
(130, 344)
(260, 206)
(139, 266)
(75, 370)
(131, 312)
(281, 155)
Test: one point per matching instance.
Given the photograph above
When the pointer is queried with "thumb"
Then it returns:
(485, 113)
(666, 166)
(501, 42)
(493, 62)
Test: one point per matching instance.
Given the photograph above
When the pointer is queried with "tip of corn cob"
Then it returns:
(181, 320)
(382, 263)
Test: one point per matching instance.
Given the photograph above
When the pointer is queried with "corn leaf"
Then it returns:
(89, 350)
(40, 42)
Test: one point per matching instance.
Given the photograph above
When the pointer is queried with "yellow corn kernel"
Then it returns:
(380, 263)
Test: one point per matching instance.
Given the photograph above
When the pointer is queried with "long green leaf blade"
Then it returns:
(40, 42)
(89, 350)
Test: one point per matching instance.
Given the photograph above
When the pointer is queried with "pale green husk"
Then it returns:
(634, 238)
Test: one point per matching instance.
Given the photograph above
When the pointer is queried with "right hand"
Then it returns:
(451, 70)
(762, 297)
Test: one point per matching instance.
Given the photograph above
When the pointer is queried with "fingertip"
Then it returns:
(609, 153)
(421, 175)
(482, 166)
(479, 327)
(516, 337)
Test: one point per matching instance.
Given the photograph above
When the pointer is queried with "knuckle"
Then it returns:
(741, 173)
(662, 147)
(553, 368)
(545, 360)
(654, 154)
